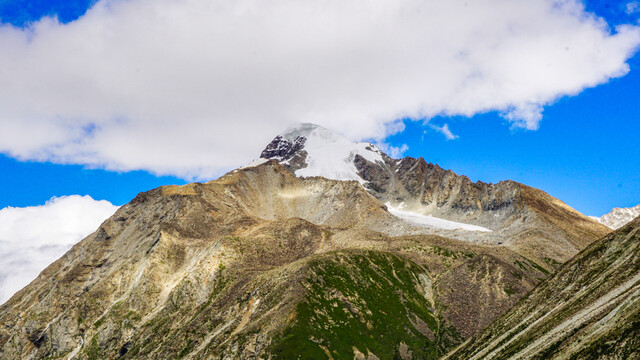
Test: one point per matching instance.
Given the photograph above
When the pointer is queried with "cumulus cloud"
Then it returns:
(444, 130)
(195, 87)
(33, 237)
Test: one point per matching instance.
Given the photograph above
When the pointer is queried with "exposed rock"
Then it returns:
(283, 149)
(264, 264)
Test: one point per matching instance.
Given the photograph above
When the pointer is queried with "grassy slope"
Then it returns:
(370, 301)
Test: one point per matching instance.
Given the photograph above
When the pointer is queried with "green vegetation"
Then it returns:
(369, 301)
(510, 291)
(441, 251)
(543, 270)
(99, 322)
(552, 262)
(93, 350)
(534, 265)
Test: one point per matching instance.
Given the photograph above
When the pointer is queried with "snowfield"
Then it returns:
(433, 222)
(331, 155)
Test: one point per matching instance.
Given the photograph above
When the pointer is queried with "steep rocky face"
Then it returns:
(618, 217)
(240, 266)
(528, 220)
(283, 149)
(589, 309)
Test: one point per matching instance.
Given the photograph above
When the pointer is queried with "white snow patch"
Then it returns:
(432, 222)
(331, 155)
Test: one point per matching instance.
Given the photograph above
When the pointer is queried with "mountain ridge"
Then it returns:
(413, 185)
(215, 269)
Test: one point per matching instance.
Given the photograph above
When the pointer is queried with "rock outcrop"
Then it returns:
(299, 256)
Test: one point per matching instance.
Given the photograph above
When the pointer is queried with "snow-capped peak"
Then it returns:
(618, 217)
(323, 152)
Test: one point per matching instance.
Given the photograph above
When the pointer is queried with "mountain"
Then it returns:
(525, 219)
(589, 309)
(321, 248)
(261, 264)
(618, 217)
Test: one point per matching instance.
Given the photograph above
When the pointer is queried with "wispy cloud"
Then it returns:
(632, 7)
(195, 87)
(394, 152)
(444, 130)
(33, 237)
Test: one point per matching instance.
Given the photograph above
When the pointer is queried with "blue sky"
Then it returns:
(585, 150)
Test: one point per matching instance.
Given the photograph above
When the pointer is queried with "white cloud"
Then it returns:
(195, 87)
(444, 130)
(395, 152)
(632, 7)
(33, 237)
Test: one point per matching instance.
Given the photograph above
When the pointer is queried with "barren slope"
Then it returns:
(589, 309)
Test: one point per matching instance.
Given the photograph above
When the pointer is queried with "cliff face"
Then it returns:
(589, 309)
(242, 266)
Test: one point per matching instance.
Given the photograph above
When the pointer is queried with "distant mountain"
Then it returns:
(589, 309)
(618, 217)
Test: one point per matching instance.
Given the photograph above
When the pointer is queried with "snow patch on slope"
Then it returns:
(432, 222)
(331, 155)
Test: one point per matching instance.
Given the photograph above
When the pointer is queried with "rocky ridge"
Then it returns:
(528, 220)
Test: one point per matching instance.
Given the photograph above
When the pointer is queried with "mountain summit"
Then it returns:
(312, 150)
